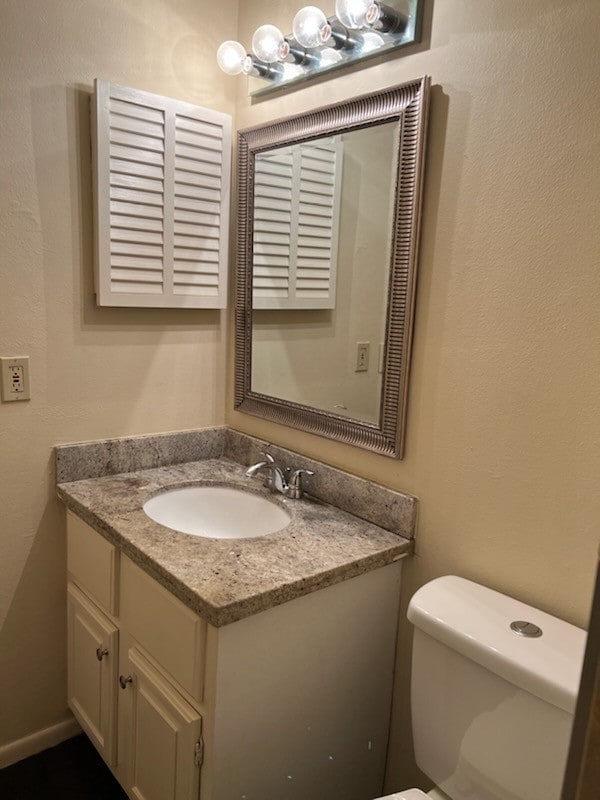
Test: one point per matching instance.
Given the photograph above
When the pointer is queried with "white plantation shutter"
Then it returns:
(161, 200)
(273, 235)
(296, 222)
(318, 218)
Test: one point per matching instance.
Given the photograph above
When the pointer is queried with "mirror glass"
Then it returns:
(328, 229)
(321, 347)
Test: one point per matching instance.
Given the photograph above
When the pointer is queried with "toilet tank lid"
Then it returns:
(475, 621)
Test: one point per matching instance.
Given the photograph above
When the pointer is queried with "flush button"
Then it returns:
(523, 628)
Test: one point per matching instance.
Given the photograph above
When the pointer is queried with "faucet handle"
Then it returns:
(268, 457)
(296, 483)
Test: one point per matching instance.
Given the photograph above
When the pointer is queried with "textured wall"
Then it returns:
(94, 372)
(503, 440)
(503, 429)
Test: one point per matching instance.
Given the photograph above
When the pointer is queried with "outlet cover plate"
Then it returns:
(15, 378)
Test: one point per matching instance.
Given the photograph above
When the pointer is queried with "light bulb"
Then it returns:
(329, 57)
(232, 57)
(310, 27)
(370, 42)
(269, 44)
(356, 14)
(291, 71)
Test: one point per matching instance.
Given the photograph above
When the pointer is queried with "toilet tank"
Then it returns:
(491, 709)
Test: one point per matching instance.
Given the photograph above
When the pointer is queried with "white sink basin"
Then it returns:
(216, 512)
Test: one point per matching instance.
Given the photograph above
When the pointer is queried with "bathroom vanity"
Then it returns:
(221, 669)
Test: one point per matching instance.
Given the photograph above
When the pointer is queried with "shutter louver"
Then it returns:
(296, 222)
(136, 175)
(318, 221)
(272, 227)
(162, 171)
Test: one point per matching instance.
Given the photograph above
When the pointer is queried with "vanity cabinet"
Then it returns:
(160, 746)
(92, 671)
(289, 703)
(131, 707)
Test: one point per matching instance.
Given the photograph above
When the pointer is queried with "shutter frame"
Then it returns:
(138, 238)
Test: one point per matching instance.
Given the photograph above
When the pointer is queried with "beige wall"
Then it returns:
(94, 372)
(503, 429)
(503, 440)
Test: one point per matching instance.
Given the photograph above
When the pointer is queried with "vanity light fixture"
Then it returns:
(359, 29)
(234, 60)
(270, 46)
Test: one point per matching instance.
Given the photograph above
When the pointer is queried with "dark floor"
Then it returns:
(72, 770)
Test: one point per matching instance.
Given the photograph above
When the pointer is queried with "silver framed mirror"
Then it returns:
(328, 229)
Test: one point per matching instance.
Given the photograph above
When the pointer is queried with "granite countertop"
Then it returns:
(225, 580)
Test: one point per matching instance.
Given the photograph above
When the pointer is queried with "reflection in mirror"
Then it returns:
(317, 331)
(328, 224)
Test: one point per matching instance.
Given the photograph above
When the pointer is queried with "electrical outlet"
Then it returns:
(362, 357)
(15, 379)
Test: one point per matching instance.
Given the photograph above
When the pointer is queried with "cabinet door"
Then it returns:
(92, 671)
(159, 735)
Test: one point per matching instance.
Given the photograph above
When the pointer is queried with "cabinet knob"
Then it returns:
(101, 652)
(125, 680)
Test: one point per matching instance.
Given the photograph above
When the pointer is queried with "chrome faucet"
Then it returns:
(276, 480)
(284, 481)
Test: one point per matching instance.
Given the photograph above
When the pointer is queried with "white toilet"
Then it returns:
(492, 705)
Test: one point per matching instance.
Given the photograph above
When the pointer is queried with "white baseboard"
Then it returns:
(36, 742)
